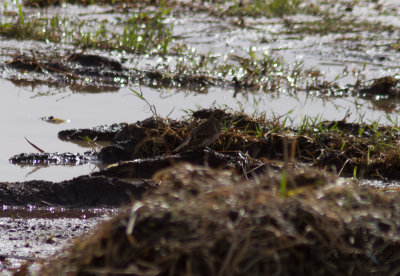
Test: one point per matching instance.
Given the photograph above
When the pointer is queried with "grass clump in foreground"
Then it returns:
(207, 222)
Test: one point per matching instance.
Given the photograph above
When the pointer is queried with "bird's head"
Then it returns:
(218, 114)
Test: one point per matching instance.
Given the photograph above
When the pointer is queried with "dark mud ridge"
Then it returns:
(33, 159)
(94, 73)
(100, 133)
(83, 191)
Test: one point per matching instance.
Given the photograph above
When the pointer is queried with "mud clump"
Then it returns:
(382, 86)
(76, 71)
(95, 61)
(99, 133)
(24, 64)
(34, 64)
(83, 191)
(147, 138)
(147, 167)
(52, 158)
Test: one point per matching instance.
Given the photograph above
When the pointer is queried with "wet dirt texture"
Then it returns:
(71, 69)
(33, 235)
(36, 159)
(99, 133)
(95, 73)
(84, 191)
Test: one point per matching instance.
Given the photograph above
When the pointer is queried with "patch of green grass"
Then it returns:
(252, 71)
(136, 37)
(144, 32)
(337, 24)
(269, 8)
(42, 29)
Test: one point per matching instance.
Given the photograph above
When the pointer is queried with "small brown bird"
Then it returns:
(206, 133)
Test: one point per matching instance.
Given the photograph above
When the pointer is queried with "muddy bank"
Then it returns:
(246, 145)
(31, 234)
(83, 191)
(99, 133)
(147, 167)
(367, 150)
(92, 73)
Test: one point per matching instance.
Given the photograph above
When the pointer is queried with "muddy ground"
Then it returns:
(31, 234)
(270, 182)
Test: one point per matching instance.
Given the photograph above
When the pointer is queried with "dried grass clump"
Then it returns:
(208, 222)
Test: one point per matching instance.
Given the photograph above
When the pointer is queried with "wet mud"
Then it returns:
(147, 167)
(37, 159)
(381, 86)
(83, 191)
(29, 234)
(76, 70)
(99, 133)
(95, 73)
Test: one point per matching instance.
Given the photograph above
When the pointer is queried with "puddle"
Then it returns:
(32, 212)
(381, 184)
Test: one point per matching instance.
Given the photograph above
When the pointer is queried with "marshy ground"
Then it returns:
(302, 179)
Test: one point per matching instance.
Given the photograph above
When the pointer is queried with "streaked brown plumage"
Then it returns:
(206, 133)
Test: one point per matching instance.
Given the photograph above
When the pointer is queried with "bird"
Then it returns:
(206, 133)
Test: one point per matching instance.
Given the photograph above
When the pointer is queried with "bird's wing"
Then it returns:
(201, 132)
(184, 143)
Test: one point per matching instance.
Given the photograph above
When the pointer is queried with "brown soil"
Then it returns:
(83, 191)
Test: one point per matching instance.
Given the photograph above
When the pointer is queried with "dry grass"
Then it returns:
(208, 222)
